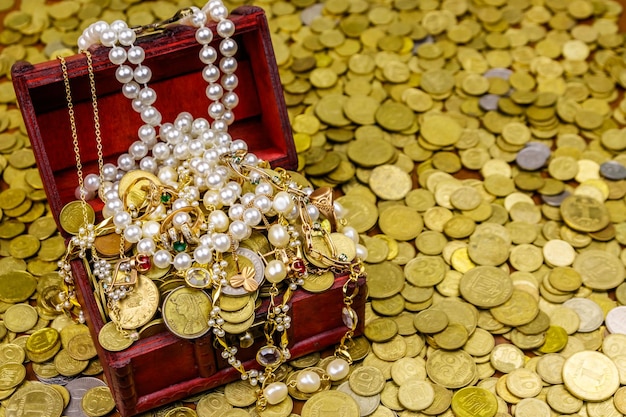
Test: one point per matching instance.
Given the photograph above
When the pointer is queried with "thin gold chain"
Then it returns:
(96, 114)
(70, 110)
(96, 122)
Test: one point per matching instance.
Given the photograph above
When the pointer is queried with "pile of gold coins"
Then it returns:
(478, 146)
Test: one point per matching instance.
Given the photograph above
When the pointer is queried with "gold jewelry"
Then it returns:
(86, 234)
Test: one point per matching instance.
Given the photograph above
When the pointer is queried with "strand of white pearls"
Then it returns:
(220, 91)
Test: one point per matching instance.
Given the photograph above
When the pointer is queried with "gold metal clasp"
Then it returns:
(159, 27)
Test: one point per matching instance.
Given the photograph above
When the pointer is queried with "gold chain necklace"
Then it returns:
(86, 234)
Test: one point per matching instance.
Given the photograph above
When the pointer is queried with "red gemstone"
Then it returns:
(298, 266)
(143, 263)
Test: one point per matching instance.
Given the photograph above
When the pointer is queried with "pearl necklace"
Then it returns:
(194, 157)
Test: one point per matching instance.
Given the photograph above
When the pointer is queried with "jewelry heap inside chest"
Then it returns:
(182, 229)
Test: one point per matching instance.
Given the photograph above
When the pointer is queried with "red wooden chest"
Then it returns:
(163, 368)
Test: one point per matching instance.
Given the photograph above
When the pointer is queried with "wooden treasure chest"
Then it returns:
(161, 366)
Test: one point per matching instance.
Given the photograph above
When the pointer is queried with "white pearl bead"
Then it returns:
(252, 216)
(340, 211)
(124, 74)
(221, 242)
(122, 219)
(204, 36)
(132, 233)
(136, 55)
(226, 28)
(239, 230)
(263, 203)
(337, 369)
(147, 96)
(127, 37)
(92, 182)
(161, 151)
(162, 259)
(275, 393)
(148, 164)
(150, 228)
(219, 219)
(308, 382)
(168, 175)
(351, 233)
(275, 271)
(138, 150)
(180, 219)
(211, 199)
(208, 54)
(235, 212)
(203, 254)
(146, 246)
(125, 162)
(313, 211)
(282, 202)
(117, 55)
(112, 206)
(228, 47)
(182, 261)
(109, 171)
(278, 236)
(361, 251)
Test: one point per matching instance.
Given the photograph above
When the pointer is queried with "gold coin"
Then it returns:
(599, 270)
(384, 279)
(390, 182)
(212, 405)
(73, 214)
(451, 369)
(186, 312)
(42, 341)
(68, 366)
(97, 402)
(332, 403)
(317, 283)
(520, 309)
(20, 318)
(139, 306)
(11, 353)
(11, 375)
(590, 376)
(112, 340)
(431, 321)
(16, 286)
(486, 286)
(181, 412)
(584, 214)
(38, 396)
(416, 395)
(474, 402)
(81, 347)
(366, 381)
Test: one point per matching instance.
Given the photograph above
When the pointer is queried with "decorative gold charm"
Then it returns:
(246, 279)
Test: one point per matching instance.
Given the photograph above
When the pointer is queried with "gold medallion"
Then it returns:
(139, 306)
(186, 312)
(72, 216)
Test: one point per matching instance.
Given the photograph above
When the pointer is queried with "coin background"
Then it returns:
(58, 34)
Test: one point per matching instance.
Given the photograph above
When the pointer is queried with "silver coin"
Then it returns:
(555, 200)
(533, 156)
(590, 313)
(489, 102)
(613, 170)
(77, 389)
(312, 12)
(616, 320)
(504, 73)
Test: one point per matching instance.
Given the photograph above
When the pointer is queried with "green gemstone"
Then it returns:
(165, 198)
(179, 246)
